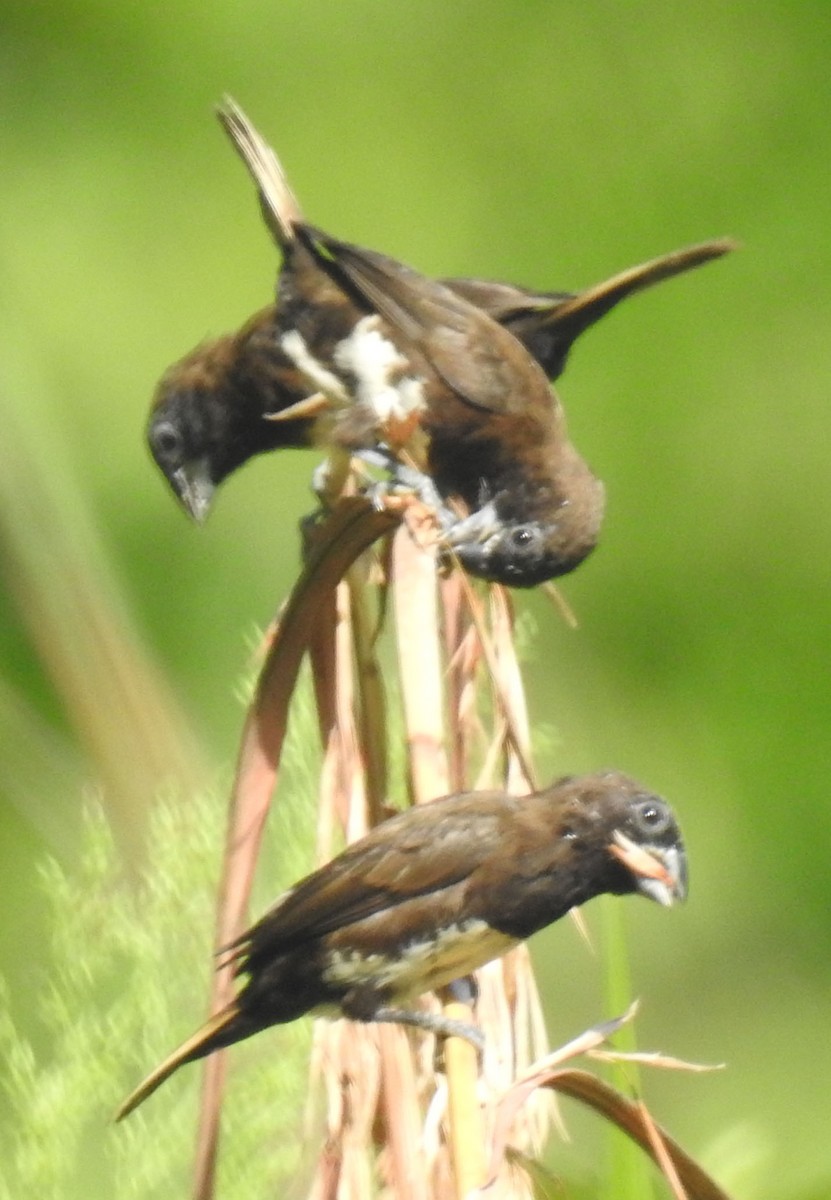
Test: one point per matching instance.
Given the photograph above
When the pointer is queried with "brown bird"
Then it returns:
(210, 409)
(431, 895)
(405, 362)
(391, 357)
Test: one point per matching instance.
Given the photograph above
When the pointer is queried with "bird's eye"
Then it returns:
(166, 440)
(653, 817)
(523, 537)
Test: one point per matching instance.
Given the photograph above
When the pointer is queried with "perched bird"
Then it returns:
(392, 358)
(389, 357)
(210, 409)
(434, 893)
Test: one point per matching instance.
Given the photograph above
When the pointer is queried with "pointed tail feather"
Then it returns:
(590, 305)
(204, 1041)
(280, 207)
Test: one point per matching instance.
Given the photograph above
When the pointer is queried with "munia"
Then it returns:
(431, 895)
(360, 350)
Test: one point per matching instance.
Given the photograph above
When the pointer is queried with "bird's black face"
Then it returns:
(518, 555)
(193, 441)
(648, 843)
(181, 450)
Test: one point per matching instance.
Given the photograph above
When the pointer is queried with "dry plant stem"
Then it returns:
(343, 791)
(467, 1132)
(389, 1087)
(402, 1116)
(372, 715)
(354, 526)
(660, 1153)
(527, 1083)
(516, 738)
(322, 659)
(420, 667)
(456, 625)
(398, 1090)
(346, 1057)
(421, 673)
(509, 680)
(519, 982)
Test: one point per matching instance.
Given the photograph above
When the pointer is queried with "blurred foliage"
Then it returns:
(121, 976)
(547, 142)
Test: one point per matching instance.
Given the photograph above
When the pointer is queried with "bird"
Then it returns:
(432, 894)
(393, 360)
(210, 411)
(406, 363)
(376, 343)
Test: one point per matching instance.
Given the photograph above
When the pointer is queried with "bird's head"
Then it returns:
(525, 545)
(518, 554)
(636, 833)
(191, 426)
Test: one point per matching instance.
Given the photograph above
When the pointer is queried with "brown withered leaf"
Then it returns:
(631, 1117)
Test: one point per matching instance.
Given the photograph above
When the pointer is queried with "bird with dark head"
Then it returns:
(398, 360)
(208, 411)
(431, 895)
(213, 410)
(408, 364)
(360, 347)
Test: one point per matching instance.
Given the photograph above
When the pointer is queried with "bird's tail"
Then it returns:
(579, 312)
(217, 1032)
(280, 207)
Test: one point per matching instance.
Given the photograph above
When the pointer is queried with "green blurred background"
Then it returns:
(545, 142)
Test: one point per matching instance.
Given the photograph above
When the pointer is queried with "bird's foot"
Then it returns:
(464, 990)
(435, 1023)
(404, 477)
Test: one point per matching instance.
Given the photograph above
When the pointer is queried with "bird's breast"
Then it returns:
(419, 965)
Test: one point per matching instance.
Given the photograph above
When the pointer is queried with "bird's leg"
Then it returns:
(432, 1023)
(329, 477)
(404, 477)
(464, 990)
(379, 456)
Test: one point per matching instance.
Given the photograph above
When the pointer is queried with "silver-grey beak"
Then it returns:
(660, 872)
(195, 488)
(478, 528)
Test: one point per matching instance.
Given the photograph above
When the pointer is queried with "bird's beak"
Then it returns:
(193, 485)
(660, 871)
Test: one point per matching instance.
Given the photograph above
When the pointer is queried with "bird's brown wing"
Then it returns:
(577, 310)
(502, 301)
(484, 364)
(424, 850)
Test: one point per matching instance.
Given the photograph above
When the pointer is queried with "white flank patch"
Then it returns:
(319, 376)
(372, 359)
(422, 966)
